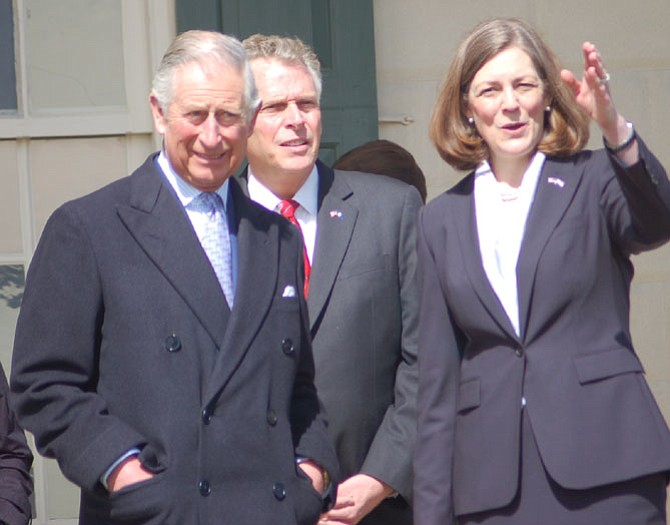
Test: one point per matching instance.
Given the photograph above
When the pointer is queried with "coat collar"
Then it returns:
(258, 259)
(159, 224)
(558, 183)
(336, 220)
(463, 216)
(556, 187)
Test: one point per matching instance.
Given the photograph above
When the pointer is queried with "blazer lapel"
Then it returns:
(159, 224)
(463, 215)
(556, 187)
(258, 256)
(335, 226)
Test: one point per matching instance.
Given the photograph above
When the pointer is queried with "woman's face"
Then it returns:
(506, 100)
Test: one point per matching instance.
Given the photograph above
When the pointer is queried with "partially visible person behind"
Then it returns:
(384, 157)
(360, 250)
(533, 406)
(16, 484)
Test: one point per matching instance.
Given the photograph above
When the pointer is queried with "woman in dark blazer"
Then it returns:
(533, 407)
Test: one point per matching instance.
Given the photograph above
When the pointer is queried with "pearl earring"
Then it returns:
(471, 121)
(547, 109)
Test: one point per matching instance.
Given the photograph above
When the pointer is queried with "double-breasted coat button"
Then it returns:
(172, 343)
(272, 417)
(279, 491)
(204, 488)
(206, 416)
(287, 346)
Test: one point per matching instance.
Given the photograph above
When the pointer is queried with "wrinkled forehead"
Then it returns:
(276, 73)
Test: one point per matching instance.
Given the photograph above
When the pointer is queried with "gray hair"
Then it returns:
(289, 50)
(206, 48)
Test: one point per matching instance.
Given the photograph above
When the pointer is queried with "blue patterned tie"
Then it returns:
(216, 241)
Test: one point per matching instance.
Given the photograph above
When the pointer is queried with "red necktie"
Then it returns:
(287, 209)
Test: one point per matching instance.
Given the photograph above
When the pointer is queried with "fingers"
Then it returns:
(570, 80)
(340, 515)
(343, 503)
(595, 73)
(326, 519)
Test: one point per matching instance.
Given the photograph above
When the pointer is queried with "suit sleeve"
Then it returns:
(16, 484)
(56, 354)
(638, 207)
(439, 371)
(389, 458)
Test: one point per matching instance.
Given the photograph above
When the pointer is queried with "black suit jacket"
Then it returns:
(363, 309)
(16, 484)
(125, 338)
(592, 413)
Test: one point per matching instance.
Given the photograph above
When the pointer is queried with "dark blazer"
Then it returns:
(594, 419)
(125, 338)
(16, 484)
(363, 308)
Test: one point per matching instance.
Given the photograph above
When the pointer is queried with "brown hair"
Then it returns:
(457, 142)
(384, 157)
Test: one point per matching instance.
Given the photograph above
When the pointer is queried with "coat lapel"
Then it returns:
(159, 224)
(556, 187)
(335, 226)
(463, 215)
(258, 260)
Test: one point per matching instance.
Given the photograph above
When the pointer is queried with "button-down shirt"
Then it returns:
(307, 196)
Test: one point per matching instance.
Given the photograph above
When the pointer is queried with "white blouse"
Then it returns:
(501, 213)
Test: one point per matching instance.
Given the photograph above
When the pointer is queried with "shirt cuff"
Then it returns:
(132, 452)
(327, 495)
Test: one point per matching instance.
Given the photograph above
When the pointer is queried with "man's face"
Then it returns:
(205, 127)
(286, 137)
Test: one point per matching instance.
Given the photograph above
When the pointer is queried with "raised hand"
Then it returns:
(592, 94)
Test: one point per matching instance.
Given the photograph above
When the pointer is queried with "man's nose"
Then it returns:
(294, 116)
(210, 133)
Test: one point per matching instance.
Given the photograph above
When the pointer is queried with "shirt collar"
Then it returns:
(306, 196)
(185, 191)
(530, 177)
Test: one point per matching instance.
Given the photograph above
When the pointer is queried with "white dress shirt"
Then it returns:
(307, 196)
(501, 213)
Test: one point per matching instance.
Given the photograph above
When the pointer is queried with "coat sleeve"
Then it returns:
(308, 423)
(439, 371)
(390, 455)
(638, 207)
(16, 484)
(56, 354)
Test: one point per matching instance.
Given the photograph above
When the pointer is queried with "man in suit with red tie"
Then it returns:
(359, 244)
(162, 353)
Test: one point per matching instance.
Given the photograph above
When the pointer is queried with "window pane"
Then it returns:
(75, 55)
(7, 67)
(12, 281)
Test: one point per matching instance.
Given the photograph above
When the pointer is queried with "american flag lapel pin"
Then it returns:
(556, 181)
(335, 214)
